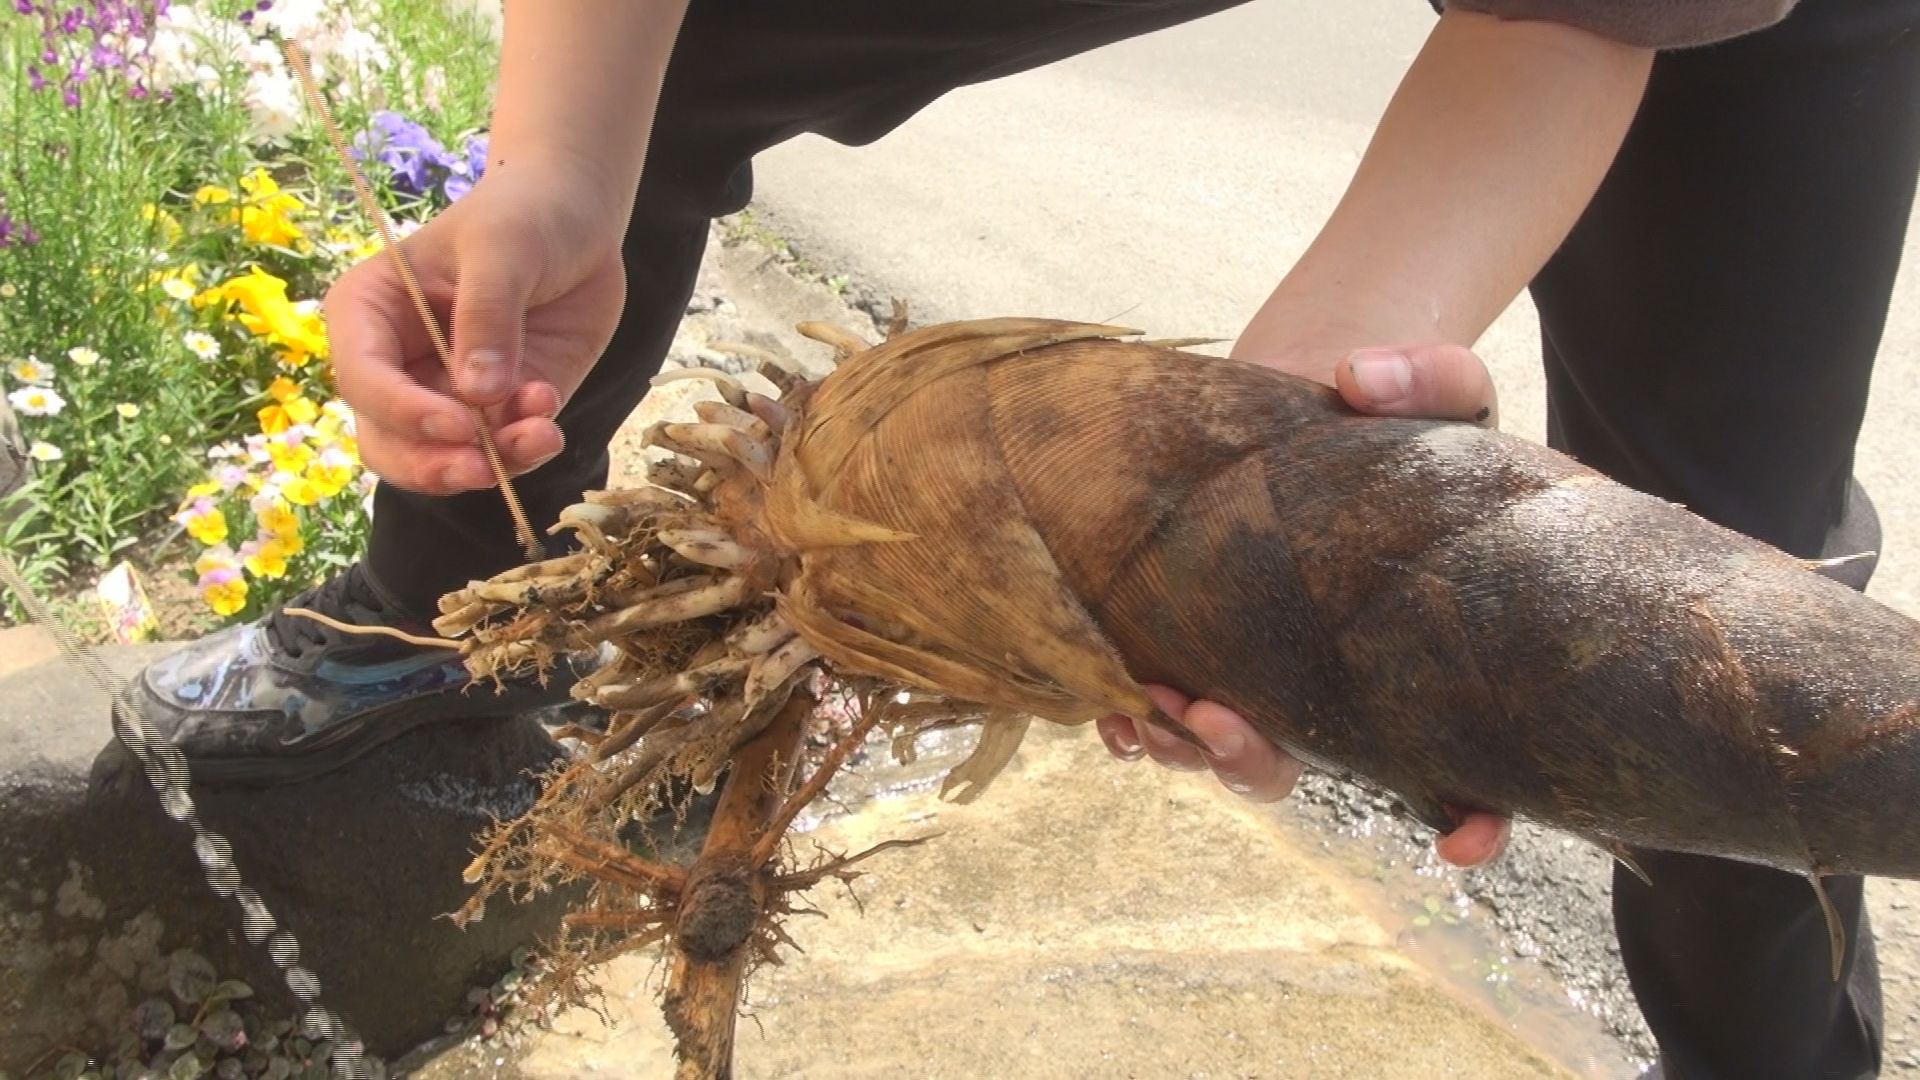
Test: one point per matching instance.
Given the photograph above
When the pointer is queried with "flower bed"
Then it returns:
(170, 218)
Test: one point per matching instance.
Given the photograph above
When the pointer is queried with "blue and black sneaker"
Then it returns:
(286, 698)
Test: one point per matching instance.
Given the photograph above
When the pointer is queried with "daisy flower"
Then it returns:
(30, 370)
(37, 401)
(202, 344)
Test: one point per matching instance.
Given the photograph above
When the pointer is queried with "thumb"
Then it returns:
(494, 284)
(1433, 382)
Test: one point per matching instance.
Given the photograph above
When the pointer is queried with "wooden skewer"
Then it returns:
(371, 207)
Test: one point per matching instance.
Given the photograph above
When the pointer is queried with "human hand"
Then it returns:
(1438, 382)
(531, 278)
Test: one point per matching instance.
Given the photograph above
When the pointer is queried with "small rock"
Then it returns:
(697, 304)
(714, 358)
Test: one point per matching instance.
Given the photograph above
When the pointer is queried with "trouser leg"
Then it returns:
(1710, 329)
(744, 77)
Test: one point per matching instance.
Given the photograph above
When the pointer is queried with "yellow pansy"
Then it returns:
(169, 228)
(225, 595)
(207, 526)
(301, 491)
(213, 195)
(263, 219)
(268, 558)
(180, 284)
(292, 458)
(278, 519)
(266, 312)
(278, 417)
(331, 472)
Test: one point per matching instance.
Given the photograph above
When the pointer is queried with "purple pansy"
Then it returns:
(418, 164)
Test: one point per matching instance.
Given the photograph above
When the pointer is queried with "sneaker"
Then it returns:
(286, 698)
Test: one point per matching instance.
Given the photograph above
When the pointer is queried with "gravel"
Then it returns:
(1547, 897)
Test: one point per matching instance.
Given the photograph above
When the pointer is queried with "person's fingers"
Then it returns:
(1120, 737)
(525, 445)
(425, 468)
(498, 270)
(1163, 746)
(1440, 382)
(1246, 762)
(1478, 839)
(372, 337)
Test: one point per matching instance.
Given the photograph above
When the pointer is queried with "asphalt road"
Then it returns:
(1168, 182)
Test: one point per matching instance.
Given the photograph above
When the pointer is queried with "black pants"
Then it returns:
(1709, 330)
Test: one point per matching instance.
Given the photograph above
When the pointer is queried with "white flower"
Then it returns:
(31, 370)
(178, 288)
(202, 344)
(298, 19)
(44, 451)
(37, 401)
(127, 409)
(83, 356)
(192, 47)
(8, 290)
(260, 56)
(273, 104)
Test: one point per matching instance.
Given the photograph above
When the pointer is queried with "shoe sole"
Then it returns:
(330, 753)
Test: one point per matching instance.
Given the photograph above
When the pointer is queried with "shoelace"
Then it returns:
(338, 596)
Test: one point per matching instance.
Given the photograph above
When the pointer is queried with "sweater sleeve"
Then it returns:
(1657, 24)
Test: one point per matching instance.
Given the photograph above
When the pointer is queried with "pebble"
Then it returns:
(714, 358)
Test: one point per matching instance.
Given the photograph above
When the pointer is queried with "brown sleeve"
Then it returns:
(1658, 24)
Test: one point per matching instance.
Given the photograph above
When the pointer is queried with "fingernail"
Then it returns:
(1125, 746)
(469, 476)
(1224, 744)
(1383, 378)
(439, 428)
(486, 373)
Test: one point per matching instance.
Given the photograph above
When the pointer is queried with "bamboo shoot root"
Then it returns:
(994, 522)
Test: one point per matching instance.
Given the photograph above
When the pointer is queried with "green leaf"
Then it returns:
(190, 976)
(230, 990)
(180, 1037)
(71, 1066)
(1422, 920)
(152, 1018)
(189, 1067)
(225, 1029)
